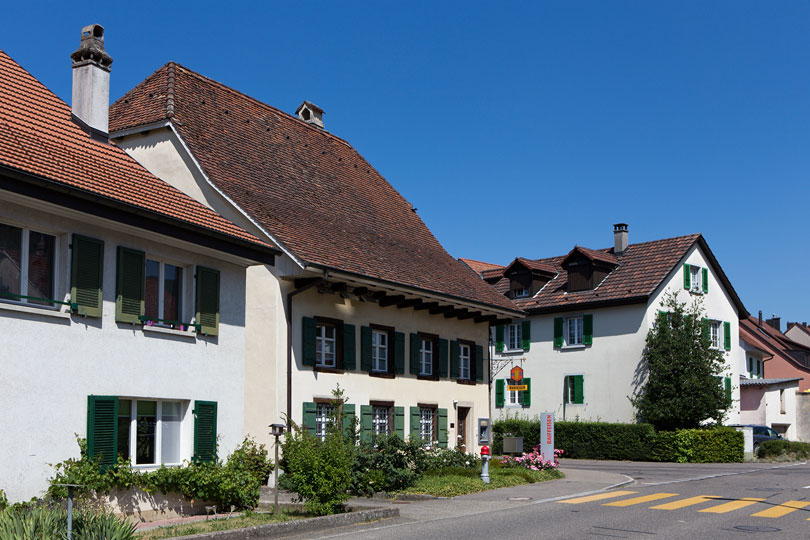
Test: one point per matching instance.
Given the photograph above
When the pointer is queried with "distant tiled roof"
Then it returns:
(594, 255)
(535, 265)
(769, 339)
(38, 137)
(767, 382)
(310, 189)
(480, 266)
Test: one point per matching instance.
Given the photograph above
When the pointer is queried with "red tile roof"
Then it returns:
(594, 255)
(786, 353)
(534, 265)
(480, 266)
(310, 189)
(37, 137)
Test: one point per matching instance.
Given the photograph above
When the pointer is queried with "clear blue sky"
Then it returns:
(518, 129)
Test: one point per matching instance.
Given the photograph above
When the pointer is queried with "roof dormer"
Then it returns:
(527, 277)
(587, 268)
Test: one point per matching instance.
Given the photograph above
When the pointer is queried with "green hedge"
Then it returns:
(634, 442)
(776, 448)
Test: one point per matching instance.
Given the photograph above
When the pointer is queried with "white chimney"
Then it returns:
(310, 113)
(619, 238)
(91, 82)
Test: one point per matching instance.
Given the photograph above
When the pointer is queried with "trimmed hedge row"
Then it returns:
(796, 450)
(632, 442)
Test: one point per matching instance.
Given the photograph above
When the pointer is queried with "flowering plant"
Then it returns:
(533, 460)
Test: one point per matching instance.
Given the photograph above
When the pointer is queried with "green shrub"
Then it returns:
(516, 427)
(440, 458)
(3, 500)
(48, 522)
(718, 445)
(777, 448)
(386, 464)
(251, 457)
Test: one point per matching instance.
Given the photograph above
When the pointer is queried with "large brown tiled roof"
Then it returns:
(38, 137)
(308, 188)
(639, 272)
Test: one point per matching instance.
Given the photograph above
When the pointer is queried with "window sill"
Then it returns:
(573, 347)
(381, 374)
(512, 351)
(325, 369)
(170, 331)
(469, 382)
(46, 311)
(155, 466)
(427, 377)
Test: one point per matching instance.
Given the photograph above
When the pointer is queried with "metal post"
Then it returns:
(275, 483)
(70, 513)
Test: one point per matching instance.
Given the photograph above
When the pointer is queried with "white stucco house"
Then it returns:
(122, 300)
(363, 296)
(588, 314)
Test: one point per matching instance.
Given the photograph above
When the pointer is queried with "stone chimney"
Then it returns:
(774, 322)
(310, 113)
(91, 82)
(620, 235)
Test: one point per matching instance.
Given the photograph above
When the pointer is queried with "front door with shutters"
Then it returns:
(462, 427)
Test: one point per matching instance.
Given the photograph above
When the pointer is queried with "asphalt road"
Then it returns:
(679, 501)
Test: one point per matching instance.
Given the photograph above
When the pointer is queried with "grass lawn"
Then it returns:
(455, 481)
(250, 519)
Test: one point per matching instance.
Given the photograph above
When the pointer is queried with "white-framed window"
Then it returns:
(573, 331)
(27, 266)
(324, 415)
(513, 398)
(426, 357)
(756, 368)
(163, 292)
(464, 351)
(513, 337)
(149, 431)
(325, 345)
(427, 424)
(570, 395)
(696, 278)
(381, 420)
(716, 329)
(379, 350)
(521, 292)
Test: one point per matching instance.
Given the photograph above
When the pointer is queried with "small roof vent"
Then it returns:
(310, 113)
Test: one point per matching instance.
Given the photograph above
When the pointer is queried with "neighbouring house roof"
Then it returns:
(309, 189)
(638, 273)
(40, 143)
(480, 266)
(768, 382)
(772, 341)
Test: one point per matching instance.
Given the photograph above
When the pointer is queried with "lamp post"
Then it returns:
(276, 430)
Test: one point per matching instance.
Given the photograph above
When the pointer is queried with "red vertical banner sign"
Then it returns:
(547, 435)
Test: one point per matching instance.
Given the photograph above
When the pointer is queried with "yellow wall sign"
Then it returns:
(517, 387)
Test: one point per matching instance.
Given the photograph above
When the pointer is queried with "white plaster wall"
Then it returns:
(773, 410)
(50, 363)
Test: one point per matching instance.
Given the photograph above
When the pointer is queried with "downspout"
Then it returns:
(289, 340)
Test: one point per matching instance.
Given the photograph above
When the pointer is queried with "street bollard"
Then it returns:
(485, 464)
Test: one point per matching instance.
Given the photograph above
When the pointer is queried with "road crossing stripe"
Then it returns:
(729, 506)
(683, 503)
(642, 499)
(597, 497)
(781, 509)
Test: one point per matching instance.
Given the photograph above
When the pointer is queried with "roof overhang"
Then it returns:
(563, 307)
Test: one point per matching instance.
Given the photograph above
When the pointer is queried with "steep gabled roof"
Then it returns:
(310, 189)
(593, 255)
(39, 141)
(772, 341)
(535, 266)
(638, 273)
(479, 266)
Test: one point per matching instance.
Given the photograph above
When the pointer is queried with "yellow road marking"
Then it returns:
(733, 505)
(683, 503)
(642, 499)
(597, 497)
(782, 509)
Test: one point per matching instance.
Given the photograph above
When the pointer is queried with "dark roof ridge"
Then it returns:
(170, 76)
(609, 249)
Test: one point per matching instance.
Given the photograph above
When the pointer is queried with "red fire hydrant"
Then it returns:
(485, 456)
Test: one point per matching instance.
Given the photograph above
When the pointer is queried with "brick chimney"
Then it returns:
(620, 237)
(774, 322)
(91, 83)
(310, 113)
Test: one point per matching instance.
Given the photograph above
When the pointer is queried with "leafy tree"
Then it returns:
(683, 386)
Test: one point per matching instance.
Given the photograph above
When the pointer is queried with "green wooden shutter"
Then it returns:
(443, 428)
(705, 326)
(310, 411)
(415, 343)
(587, 329)
(366, 423)
(526, 335)
(348, 419)
(579, 395)
(102, 429)
(399, 353)
(727, 386)
(558, 331)
(499, 338)
(414, 423)
(349, 349)
(443, 358)
(365, 348)
(455, 353)
(705, 280)
(499, 388)
(399, 422)
(566, 389)
(479, 363)
(727, 335)
(205, 431)
(87, 275)
(130, 280)
(308, 341)
(527, 394)
(687, 277)
(208, 300)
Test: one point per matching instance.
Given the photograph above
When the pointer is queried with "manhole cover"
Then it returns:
(755, 528)
(519, 499)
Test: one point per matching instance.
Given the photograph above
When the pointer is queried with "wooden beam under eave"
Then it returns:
(441, 309)
(457, 313)
(303, 282)
(426, 305)
(391, 300)
(485, 318)
(469, 315)
(410, 302)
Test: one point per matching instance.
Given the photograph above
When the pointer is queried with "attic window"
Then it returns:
(305, 114)
(520, 292)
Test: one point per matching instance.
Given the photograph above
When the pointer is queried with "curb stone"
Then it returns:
(299, 526)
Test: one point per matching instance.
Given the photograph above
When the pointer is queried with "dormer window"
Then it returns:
(587, 268)
(521, 292)
(527, 277)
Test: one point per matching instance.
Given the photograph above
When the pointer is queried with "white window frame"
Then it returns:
(381, 419)
(464, 358)
(522, 292)
(379, 351)
(133, 432)
(25, 238)
(426, 352)
(321, 338)
(513, 336)
(755, 368)
(324, 415)
(696, 276)
(161, 287)
(716, 334)
(512, 398)
(579, 331)
(427, 417)
(569, 381)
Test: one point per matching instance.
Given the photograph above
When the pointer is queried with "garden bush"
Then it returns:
(718, 445)
(533, 460)
(49, 522)
(778, 448)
